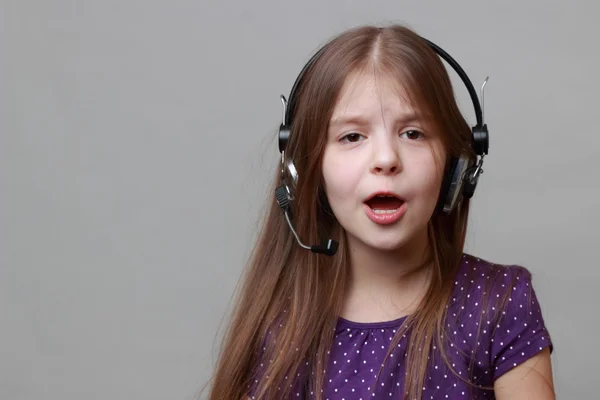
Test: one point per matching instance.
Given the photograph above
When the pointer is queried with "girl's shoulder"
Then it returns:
(477, 270)
(494, 313)
(479, 282)
(493, 291)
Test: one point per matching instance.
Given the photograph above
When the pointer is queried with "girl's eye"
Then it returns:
(412, 134)
(351, 137)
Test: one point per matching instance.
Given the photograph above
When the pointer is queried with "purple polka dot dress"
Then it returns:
(493, 314)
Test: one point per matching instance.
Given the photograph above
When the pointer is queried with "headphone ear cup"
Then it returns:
(469, 189)
(289, 179)
(452, 186)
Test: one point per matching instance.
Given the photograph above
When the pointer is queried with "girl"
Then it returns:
(376, 156)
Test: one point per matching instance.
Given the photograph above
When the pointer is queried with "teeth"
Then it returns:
(376, 211)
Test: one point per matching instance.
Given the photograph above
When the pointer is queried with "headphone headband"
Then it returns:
(463, 76)
(480, 132)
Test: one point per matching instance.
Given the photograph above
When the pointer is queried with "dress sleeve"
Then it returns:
(520, 331)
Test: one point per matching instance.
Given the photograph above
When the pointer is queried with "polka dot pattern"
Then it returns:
(494, 323)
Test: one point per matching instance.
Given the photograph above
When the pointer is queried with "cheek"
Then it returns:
(340, 179)
(429, 173)
(433, 178)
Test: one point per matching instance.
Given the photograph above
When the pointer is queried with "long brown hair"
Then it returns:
(299, 294)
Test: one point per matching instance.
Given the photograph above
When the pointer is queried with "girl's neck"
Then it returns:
(386, 285)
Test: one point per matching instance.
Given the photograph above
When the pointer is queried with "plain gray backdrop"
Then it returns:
(138, 139)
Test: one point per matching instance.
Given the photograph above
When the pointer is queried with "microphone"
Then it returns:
(328, 247)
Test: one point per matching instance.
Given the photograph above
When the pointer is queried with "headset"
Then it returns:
(460, 179)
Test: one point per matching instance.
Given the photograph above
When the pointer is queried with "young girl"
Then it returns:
(377, 157)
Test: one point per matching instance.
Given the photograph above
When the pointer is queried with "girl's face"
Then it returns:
(377, 146)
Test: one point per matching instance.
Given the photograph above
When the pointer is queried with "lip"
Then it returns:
(383, 194)
(387, 218)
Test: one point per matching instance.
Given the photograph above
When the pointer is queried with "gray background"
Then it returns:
(137, 139)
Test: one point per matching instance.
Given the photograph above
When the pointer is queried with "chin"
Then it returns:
(385, 242)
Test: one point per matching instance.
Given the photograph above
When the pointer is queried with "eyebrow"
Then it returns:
(361, 121)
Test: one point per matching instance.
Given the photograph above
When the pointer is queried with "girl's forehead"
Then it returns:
(365, 90)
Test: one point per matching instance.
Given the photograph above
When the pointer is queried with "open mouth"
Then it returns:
(384, 204)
